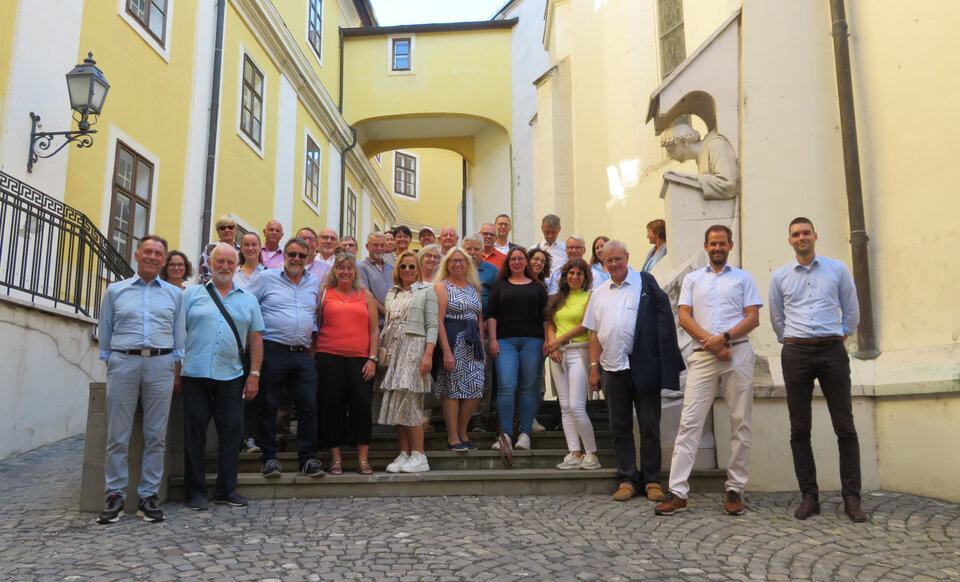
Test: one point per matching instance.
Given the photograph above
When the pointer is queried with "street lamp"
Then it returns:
(88, 90)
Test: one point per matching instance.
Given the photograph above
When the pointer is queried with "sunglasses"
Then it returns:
(406, 267)
(294, 255)
(227, 227)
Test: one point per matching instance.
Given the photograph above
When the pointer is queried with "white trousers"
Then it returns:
(571, 382)
(705, 376)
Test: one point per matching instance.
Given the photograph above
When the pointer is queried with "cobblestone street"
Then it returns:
(43, 537)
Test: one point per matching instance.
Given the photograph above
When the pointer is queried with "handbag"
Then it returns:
(244, 355)
(383, 358)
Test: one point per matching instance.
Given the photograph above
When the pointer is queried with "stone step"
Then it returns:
(436, 482)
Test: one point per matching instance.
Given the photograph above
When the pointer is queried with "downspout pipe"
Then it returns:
(463, 200)
(343, 180)
(866, 333)
(214, 125)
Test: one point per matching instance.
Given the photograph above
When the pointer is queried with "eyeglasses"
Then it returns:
(176, 266)
(294, 255)
(227, 227)
(406, 267)
(573, 248)
(457, 261)
(431, 257)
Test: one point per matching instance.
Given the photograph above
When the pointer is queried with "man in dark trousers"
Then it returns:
(634, 339)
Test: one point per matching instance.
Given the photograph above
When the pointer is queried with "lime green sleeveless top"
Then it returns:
(571, 314)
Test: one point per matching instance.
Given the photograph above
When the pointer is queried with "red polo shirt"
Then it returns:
(496, 258)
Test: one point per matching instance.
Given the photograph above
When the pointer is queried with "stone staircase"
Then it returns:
(477, 472)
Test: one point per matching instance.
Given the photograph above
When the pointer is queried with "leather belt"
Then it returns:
(728, 344)
(286, 347)
(146, 353)
(814, 341)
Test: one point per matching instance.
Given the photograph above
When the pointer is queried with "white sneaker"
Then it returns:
(589, 461)
(537, 427)
(394, 467)
(416, 463)
(523, 443)
(496, 444)
(571, 461)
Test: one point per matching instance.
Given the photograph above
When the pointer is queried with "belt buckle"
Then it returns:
(145, 353)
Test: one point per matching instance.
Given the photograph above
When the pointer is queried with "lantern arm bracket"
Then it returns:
(41, 141)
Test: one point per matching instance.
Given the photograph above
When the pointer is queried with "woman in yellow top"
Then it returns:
(568, 344)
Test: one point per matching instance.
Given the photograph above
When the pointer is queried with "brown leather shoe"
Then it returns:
(626, 492)
(654, 492)
(671, 504)
(733, 504)
(851, 506)
(810, 506)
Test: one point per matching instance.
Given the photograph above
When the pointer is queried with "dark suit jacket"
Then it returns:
(655, 363)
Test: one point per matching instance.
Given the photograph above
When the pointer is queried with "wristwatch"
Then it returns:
(726, 335)
(373, 359)
(255, 373)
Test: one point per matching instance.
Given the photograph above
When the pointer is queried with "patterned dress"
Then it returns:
(400, 388)
(466, 380)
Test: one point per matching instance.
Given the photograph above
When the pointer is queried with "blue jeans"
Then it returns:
(518, 367)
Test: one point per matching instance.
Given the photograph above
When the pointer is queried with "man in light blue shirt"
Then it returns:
(288, 302)
(376, 275)
(813, 308)
(214, 384)
(141, 335)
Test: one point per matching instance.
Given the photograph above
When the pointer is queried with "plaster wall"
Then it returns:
(529, 60)
(48, 360)
(490, 178)
(439, 185)
(917, 438)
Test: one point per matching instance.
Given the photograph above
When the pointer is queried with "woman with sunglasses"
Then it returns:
(409, 336)
(227, 231)
(251, 260)
(177, 269)
(516, 327)
(459, 381)
(346, 355)
(568, 345)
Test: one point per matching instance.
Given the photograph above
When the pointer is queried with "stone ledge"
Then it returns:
(13, 301)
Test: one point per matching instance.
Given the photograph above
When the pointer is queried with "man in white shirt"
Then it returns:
(328, 246)
(504, 227)
(550, 227)
(719, 305)
(635, 341)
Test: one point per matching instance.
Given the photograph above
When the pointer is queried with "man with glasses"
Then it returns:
(316, 267)
(376, 275)
(227, 232)
(575, 248)
(504, 227)
(288, 301)
(489, 253)
(635, 342)
(401, 240)
(328, 245)
(271, 255)
(349, 245)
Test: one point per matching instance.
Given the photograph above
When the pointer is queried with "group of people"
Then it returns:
(309, 331)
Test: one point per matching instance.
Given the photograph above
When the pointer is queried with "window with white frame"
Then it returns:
(152, 15)
(350, 216)
(315, 26)
(404, 174)
(311, 185)
(401, 53)
(251, 101)
(130, 204)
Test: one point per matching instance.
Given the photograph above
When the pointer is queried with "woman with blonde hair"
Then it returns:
(459, 381)
(409, 336)
(346, 356)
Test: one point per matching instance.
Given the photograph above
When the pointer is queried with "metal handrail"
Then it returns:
(50, 250)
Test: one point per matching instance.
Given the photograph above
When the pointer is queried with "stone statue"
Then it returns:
(719, 176)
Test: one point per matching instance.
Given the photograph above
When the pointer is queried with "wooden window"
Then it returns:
(672, 45)
(130, 207)
(350, 217)
(404, 174)
(311, 188)
(251, 104)
(151, 14)
(315, 26)
(400, 55)
(379, 159)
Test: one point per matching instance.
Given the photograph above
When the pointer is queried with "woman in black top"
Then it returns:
(516, 329)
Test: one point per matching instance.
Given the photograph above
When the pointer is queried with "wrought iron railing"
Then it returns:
(52, 251)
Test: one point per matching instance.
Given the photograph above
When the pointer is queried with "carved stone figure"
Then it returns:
(716, 159)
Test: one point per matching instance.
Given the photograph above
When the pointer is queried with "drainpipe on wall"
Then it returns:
(343, 179)
(866, 334)
(206, 217)
(463, 200)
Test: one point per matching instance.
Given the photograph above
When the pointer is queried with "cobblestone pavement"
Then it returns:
(44, 537)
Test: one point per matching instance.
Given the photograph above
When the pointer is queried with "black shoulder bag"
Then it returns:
(244, 355)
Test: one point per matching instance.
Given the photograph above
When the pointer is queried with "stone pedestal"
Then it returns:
(688, 216)
(95, 444)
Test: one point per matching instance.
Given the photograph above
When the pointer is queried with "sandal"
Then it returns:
(335, 469)
(365, 468)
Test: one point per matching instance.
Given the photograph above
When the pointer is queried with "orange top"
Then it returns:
(345, 327)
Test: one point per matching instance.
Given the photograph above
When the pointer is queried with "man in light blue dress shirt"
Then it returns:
(288, 302)
(141, 335)
(214, 385)
(813, 308)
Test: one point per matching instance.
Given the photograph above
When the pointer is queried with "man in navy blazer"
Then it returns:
(634, 341)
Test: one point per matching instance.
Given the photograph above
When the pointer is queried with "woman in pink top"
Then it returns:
(346, 355)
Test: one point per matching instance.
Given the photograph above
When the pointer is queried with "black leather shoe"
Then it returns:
(851, 506)
(810, 506)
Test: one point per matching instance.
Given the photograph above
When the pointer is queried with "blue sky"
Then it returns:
(393, 12)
